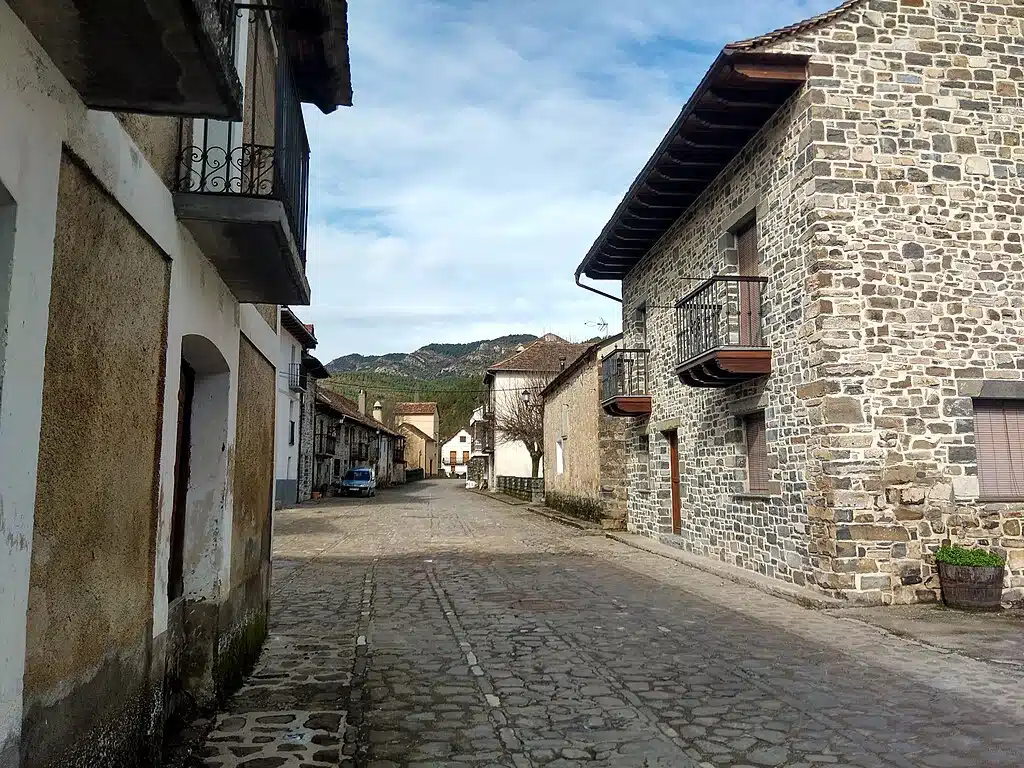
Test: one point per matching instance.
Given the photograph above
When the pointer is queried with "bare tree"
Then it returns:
(520, 419)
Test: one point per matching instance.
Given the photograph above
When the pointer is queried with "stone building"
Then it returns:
(311, 373)
(584, 447)
(362, 440)
(824, 260)
(153, 198)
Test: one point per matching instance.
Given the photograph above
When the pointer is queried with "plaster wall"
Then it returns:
(90, 592)
(286, 457)
(511, 459)
(42, 115)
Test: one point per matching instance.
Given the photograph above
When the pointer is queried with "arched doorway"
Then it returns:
(200, 521)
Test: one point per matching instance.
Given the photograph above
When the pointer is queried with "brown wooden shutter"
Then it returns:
(999, 438)
(465, 457)
(757, 453)
(746, 245)
(452, 458)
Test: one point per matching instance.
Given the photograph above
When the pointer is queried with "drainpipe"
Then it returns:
(594, 290)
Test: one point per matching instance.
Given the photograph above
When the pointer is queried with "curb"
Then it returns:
(581, 525)
(791, 593)
(499, 497)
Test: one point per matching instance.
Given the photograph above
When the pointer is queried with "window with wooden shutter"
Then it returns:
(757, 453)
(999, 438)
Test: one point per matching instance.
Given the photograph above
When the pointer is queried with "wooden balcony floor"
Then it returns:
(725, 367)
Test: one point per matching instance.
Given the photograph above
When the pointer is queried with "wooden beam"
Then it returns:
(735, 97)
(762, 71)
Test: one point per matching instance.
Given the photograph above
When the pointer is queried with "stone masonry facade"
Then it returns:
(592, 480)
(887, 195)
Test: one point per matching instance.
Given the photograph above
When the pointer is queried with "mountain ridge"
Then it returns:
(435, 360)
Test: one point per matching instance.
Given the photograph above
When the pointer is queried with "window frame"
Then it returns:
(986, 421)
(759, 475)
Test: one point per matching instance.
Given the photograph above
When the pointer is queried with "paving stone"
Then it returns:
(738, 681)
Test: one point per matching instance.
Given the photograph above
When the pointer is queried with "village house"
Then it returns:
(512, 393)
(584, 447)
(297, 371)
(361, 440)
(420, 423)
(821, 268)
(154, 179)
(455, 454)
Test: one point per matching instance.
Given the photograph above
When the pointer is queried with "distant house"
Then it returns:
(420, 449)
(295, 339)
(585, 448)
(518, 378)
(456, 452)
(425, 419)
(359, 440)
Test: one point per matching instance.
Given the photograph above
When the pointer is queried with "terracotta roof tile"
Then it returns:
(406, 427)
(794, 29)
(415, 409)
(545, 355)
(349, 409)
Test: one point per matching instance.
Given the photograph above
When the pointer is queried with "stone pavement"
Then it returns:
(434, 627)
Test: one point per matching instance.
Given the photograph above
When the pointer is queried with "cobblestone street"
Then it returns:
(433, 626)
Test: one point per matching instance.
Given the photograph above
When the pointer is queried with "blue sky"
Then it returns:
(489, 143)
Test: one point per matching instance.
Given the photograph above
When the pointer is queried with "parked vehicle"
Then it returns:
(359, 482)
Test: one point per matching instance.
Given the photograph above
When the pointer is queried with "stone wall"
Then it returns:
(891, 222)
(525, 488)
(593, 451)
(307, 411)
(766, 534)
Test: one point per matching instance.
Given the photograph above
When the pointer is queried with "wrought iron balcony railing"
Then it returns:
(624, 374)
(297, 377)
(327, 444)
(720, 335)
(233, 158)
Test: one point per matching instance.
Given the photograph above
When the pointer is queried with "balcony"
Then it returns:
(625, 388)
(326, 445)
(360, 452)
(170, 57)
(720, 339)
(297, 378)
(483, 438)
(243, 187)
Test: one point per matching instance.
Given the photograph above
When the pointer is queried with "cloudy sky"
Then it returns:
(489, 143)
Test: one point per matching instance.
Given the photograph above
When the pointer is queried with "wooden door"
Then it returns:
(182, 459)
(750, 292)
(677, 502)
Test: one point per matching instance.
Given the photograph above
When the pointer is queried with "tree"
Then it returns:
(519, 418)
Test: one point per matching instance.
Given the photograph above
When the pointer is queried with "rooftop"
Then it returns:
(741, 92)
(548, 354)
(415, 409)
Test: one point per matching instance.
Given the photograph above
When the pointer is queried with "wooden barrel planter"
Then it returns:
(971, 587)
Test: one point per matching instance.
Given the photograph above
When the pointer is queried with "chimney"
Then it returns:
(561, 363)
(378, 411)
(362, 401)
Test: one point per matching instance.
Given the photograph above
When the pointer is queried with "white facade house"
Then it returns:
(455, 454)
(516, 380)
(295, 339)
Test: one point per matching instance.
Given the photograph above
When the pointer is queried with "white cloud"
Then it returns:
(489, 142)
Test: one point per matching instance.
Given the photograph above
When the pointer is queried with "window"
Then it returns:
(453, 459)
(337, 467)
(757, 453)
(640, 324)
(565, 421)
(559, 457)
(999, 436)
(465, 457)
(291, 433)
(462, 438)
